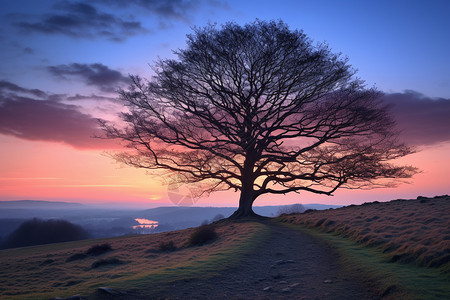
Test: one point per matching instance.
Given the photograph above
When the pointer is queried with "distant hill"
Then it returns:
(37, 204)
(320, 206)
(106, 220)
(193, 215)
(48, 205)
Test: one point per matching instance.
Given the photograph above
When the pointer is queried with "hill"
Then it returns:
(345, 253)
(43, 272)
(409, 231)
(38, 204)
(108, 221)
(175, 214)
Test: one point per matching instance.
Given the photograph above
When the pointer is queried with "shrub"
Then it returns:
(95, 250)
(202, 235)
(291, 209)
(104, 262)
(169, 246)
(38, 232)
(77, 256)
(99, 249)
(217, 217)
(47, 262)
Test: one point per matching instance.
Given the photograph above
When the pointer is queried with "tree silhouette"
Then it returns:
(258, 109)
(37, 232)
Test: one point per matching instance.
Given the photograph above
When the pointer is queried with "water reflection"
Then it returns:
(145, 223)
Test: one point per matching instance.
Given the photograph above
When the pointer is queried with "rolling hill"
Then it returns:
(388, 250)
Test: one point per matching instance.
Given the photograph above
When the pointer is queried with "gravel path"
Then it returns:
(290, 265)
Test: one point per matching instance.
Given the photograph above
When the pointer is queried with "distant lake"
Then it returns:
(145, 223)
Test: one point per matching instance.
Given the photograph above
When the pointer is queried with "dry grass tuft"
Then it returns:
(97, 250)
(202, 235)
(167, 246)
(409, 231)
(106, 262)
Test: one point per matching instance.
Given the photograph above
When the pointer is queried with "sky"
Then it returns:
(62, 63)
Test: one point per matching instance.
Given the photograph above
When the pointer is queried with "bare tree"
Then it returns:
(261, 110)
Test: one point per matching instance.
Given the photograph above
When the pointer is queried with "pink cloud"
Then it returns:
(422, 120)
(33, 114)
(45, 118)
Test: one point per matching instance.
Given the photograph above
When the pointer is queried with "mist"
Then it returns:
(109, 220)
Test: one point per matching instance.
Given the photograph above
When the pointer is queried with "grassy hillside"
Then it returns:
(401, 248)
(406, 231)
(47, 271)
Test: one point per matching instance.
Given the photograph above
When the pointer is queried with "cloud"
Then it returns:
(173, 9)
(99, 75)
(78, 97)
(82, 20)
(91, 19)
(6, 86)
(422, 120)
(28, 50)
(35, 115)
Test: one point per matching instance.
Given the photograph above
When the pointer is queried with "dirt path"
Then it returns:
(290, 265)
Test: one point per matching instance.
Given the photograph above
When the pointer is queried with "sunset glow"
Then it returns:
(55, 82)
(145, 223)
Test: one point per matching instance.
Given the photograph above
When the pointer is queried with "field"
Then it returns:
(406, 231)
(42, 272)
(390, 250)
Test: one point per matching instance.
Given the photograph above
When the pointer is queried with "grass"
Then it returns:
(406, 231)
(387, 279)
(106, 262)
(42, 272)
(167, 246)
(202, 235)
(401, 247)
(203, 267)
(367, 239)
(99, 249)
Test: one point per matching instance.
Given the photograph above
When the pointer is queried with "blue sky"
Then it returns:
(395, 45)
(63, 60)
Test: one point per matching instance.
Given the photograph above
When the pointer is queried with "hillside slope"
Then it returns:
(250, 260)
(409, 231)
(254, 259)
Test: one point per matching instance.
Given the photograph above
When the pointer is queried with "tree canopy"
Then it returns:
(259, 109)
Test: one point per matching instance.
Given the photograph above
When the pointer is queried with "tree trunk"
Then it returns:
(247, 193)
(245, 205)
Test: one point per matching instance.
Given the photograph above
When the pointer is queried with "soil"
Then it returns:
(290, 265)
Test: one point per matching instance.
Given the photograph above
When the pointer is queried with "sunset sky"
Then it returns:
(63, 61)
